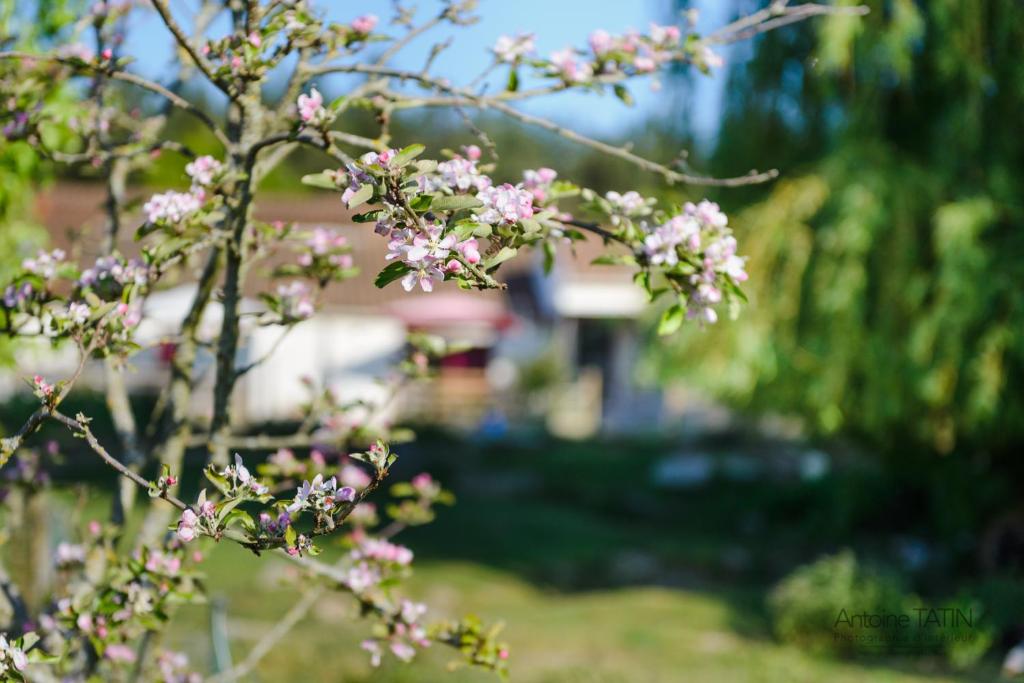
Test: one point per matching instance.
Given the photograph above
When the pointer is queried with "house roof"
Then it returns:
(73, 213)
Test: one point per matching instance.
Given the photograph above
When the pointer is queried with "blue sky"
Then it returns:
(557, 23)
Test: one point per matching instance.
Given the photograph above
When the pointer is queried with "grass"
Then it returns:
(627, 635)
(600, 578)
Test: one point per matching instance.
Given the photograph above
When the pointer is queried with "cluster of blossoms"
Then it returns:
(38, 272)
(701, 235)
(630, 53)
(173, 208)
(69, 555)
(364, 24)
(627, 205)
(274, 526)
(12, 657)
(425, 251)
(505, 204)
(417, 500)
(382, 551)
(114, 273)
(42, 389)
(204, 172)
(235, 480)
(324, 255)
(191, 523)
(426, 244)
(45, 264)
(312, 112)
(459, 173)
(373, 560)
(18, 297)
(295, 301)
(512, 49)
(320, 496)
(404, 636)
(173, 668)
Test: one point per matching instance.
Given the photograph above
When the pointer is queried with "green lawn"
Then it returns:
(634, 635)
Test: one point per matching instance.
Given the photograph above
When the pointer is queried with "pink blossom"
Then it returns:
(171, 207)
(383, 551)
(42, 386)
(510, 49)
(470, 250)
(296, 300)
(45, 264)
(353, 476)
(311, 109)
(187, 525)
(254, 39)
(570, 67)
(711, 58)
(364, 24)
(665, 36)
(118, 652)
(601, 42)
(644, 64)
(203, 170)
(505, 204)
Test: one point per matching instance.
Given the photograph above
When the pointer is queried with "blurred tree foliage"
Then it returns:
(886, 267)
(23, 26)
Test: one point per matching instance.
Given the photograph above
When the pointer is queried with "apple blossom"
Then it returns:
(511, 49)
(203, 171)
(11, 656)
(312, 111)
(171, 207)
(45, 264)
(364, 24)
(296, 301)
(570, 67)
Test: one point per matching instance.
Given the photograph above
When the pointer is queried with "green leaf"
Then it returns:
(361, 196)
(549, 257)
(531, 226)
(225, 508)
(426, 166)
(623, 94)
(408, 154)
(102, 311)
(323, 179)
(421, 202)
(671, 319)
(614, 260)
(455, 202)
(465, 229)
(368, 217)
(504, 255)
(513, 81)
(391, 272)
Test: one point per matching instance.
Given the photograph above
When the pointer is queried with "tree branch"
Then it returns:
(128, 77)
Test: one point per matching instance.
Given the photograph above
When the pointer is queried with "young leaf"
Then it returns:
(623, 94)
(671, 319)
(408, 154)
(323, 179)
(455, 202)
(361, 196)
(391, 272)
(504, 255)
